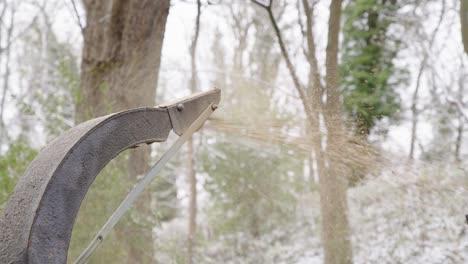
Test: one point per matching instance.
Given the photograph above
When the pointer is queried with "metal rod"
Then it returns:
(140, 186)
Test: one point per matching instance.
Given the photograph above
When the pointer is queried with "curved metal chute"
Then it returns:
(38, 220)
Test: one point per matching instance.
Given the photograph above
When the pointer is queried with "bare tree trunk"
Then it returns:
(119, 70)
(461, 120)
(458, 141)
(333, 183)
(121, 55)
(414, 109)
(315, 91)
(464, 23)
(192, 224)
(6, 77)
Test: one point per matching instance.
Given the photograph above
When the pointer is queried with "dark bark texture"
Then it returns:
(120, 64)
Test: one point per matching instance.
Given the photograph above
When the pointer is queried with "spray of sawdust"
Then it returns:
(354, 153)
(383, 170)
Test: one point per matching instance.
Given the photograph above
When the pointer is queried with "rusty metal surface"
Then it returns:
(38, 219)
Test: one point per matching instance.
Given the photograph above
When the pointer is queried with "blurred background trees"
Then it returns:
(376, 90)
(369, 76)
(464, 23)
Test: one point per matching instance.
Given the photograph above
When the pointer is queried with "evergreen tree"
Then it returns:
(367, 70)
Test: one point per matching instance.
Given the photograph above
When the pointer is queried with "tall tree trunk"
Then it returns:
(6, 76)
(461, 120)
(119, 70)
(121, 55)
(192, 223)
(333, 182)
(414, 109)
(459, 138)
(333, 185)
(464, 23)
(314, 91)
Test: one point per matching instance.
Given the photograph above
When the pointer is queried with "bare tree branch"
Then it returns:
(299, 16)
(311, 54)
(77, 15)
(286, 56)
(264, 5)
(423, 65)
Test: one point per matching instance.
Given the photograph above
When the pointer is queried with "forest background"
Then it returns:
(340, 138)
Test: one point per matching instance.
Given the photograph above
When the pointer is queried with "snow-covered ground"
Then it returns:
(407, 214)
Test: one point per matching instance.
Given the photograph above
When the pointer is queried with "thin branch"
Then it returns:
(311, 54)
(301, 25)
(77, 15)
(414, 108)
(418, 82)
(263, 5)
(289, 65)
(2, 14)
(193, 46)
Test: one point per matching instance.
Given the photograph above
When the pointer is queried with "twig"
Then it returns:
(263, 5)
(289, 65)
(311, 54)
(75, 10)
(418, 82)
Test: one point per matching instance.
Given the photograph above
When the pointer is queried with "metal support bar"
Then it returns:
(138, 189)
